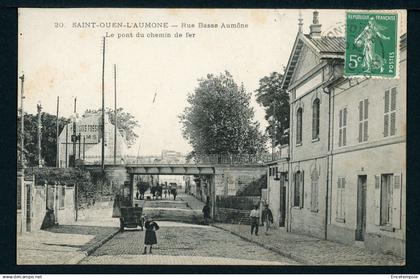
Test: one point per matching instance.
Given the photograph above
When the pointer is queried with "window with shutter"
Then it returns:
(363, 120)
(299, 126)
(377, 200)
(340, 212)
(302, 189)
(386, 199)
(390, 107)
(315, 119)
(296, 200)
(342, 123)
(314, 190)
(396, 201)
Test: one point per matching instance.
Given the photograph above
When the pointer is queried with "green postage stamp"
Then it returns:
(371, 44)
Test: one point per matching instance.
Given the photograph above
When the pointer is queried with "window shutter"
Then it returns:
(377, 200)
(365, 131)
(386, 125)
(396, 201)
(392, 132)
(393, 98)
(386, 101)
(360, 110)
(302, 189)
(345, 117)
(360, 131)
(366, 109)
(340, 137)
(343, 204)
(340, 117)
(344, 136)
(338, 197)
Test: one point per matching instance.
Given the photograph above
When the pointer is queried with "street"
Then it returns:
(183, 243)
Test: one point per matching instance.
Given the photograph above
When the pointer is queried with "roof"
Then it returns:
(326, 46)
(329, 44)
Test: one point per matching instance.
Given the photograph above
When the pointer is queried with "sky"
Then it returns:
(61, 60)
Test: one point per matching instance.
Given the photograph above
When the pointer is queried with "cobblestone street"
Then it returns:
(180, 243)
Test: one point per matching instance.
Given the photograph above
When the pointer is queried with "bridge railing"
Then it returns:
(211, 159)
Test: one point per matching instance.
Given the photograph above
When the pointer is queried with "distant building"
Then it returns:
(89, 148)
(170, 156)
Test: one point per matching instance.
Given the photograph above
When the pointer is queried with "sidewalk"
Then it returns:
(67, 243)
(309, 250)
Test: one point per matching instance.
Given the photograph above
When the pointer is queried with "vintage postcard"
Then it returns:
(211, 137)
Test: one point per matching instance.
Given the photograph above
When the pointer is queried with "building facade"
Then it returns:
(311, 66)
(89, 147)
(347, 165)
(369, 161)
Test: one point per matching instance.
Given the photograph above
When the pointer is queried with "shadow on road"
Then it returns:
(97, 232)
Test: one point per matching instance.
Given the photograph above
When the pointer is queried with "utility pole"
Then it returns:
(84, 145)
(115, 113)
(103, 109)
(74, 137)
(57, 160)
(22, 115)
(273, 141)
(67, 143)
(39, 108)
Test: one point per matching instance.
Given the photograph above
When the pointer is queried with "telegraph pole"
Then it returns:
(74, 137)
(57, 160)
(103, 107)
(39, 108)
(22, 115)
(115, 113)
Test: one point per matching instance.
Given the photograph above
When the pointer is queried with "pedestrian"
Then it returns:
(267, 218)
(164, 192)
(175, 193)
(254, 219)
(150, 236)
(142, 219)
(206, 213)
(137, 194)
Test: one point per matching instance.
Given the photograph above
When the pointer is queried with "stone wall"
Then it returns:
(233, 216)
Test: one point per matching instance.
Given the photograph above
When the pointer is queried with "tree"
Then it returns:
(126, 121)
(219, 119)
(48, 138)
(275, 101)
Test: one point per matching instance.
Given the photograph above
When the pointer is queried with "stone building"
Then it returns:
(347, 147)
(311, 65)
(89, 147)
(369, 162)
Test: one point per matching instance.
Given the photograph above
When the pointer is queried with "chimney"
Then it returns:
(315, 27)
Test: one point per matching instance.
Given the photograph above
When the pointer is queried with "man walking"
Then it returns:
(267, 218)
(254, 219)
(206, 213)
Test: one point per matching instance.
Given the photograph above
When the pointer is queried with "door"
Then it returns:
(282, 199)
(361, 208)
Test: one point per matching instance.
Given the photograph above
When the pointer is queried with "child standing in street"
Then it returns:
(150, 236)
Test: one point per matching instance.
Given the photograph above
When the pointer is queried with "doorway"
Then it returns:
(283, 182)
(361, 208)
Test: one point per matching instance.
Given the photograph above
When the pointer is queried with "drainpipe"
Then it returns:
(289, 182)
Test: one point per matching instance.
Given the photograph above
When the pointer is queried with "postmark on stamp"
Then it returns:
(371, 44)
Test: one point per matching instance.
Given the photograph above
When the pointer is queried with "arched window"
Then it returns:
(299, 126)
(315, 119)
